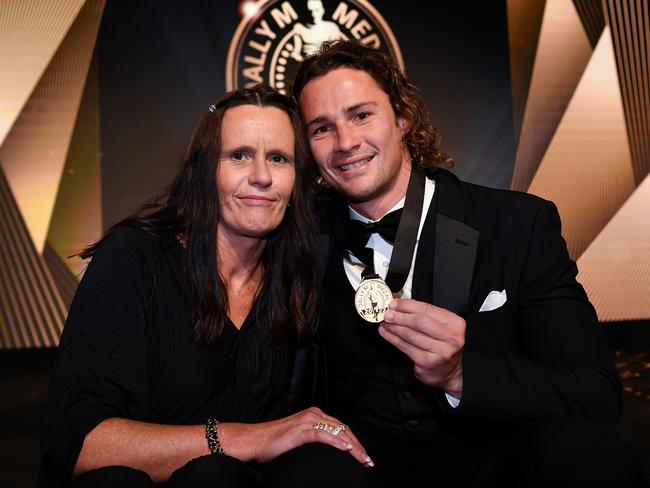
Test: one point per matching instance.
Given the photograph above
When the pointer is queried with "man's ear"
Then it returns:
(403, 124)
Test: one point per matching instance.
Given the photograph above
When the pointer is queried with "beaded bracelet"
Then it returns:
(212, 435)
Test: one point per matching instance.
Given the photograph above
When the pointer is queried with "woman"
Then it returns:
(180, 339)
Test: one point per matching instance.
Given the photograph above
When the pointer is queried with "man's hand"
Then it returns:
(432, 337)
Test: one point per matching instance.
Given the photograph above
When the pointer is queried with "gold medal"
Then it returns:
(372, 299)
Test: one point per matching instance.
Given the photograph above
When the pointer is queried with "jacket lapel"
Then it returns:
(455, 246)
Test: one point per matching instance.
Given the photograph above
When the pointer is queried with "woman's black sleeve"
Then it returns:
(100, 369)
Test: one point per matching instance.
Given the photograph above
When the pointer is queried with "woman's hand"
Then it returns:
(265, 441)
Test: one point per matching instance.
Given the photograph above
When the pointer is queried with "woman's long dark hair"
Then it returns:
(190, 208)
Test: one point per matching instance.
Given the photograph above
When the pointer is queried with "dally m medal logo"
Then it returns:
(269, 44)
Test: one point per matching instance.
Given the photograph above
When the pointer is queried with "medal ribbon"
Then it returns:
(407, 233)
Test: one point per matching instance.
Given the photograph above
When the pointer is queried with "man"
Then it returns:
(489, 368)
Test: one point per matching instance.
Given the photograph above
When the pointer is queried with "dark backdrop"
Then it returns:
(162, 62)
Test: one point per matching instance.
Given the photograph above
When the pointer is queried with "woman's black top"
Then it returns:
(127, 351)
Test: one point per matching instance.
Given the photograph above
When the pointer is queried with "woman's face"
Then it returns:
(256, 170)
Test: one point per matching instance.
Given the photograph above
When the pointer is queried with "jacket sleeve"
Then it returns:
(100, 368)
(561, 364)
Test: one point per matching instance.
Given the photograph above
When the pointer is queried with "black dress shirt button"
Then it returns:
(412, 424)
(406, 395)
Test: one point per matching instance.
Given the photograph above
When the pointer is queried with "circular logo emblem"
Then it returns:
(372, 299)
(271, 41)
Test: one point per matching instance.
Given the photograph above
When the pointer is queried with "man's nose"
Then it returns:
(347, 138)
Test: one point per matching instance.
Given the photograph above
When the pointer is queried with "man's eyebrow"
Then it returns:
(351, 108)
(357, 106)
(316, 120)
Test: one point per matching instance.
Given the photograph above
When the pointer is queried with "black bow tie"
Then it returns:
(386, 227)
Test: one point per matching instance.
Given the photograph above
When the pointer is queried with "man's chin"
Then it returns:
(354, 195)
(359, 195)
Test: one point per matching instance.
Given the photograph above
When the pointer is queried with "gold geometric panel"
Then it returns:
(587, 169)
(591, 15)
(66, 283)
(34, 151)
(630, 24)
(77, 216)
(30, 33)
(524, 24)
(563, 51)
(615, 269)
(32, 310)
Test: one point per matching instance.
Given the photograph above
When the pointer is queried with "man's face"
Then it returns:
(356, 139)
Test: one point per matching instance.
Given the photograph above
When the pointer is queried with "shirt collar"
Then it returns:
(354, 215)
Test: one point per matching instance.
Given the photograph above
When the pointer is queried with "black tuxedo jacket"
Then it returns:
(543, 352)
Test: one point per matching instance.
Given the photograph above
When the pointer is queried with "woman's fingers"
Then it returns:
(342, 442)
(357, 450)
(314, 435)
(333, 432)
(348, 432)
(312, 425)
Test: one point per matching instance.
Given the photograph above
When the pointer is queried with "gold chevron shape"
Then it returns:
(563, 52)
(615, 269)
(587, 169)
(30, 33)
(524, 25)
(77, 217)
(34, 152)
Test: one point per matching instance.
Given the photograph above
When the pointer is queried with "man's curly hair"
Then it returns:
(421, 138)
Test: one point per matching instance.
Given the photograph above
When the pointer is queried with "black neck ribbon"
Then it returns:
(406, 237)
(407, 231)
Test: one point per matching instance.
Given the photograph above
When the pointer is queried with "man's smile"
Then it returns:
(354, 164)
